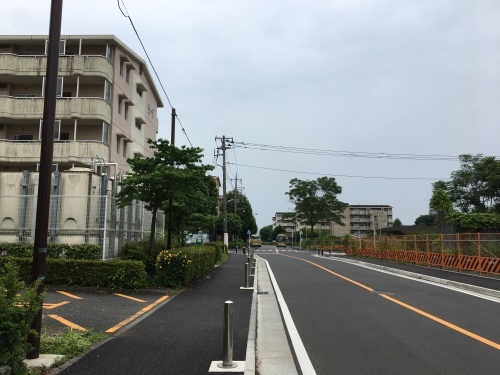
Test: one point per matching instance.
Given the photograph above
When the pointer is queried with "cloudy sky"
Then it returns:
(415, 77)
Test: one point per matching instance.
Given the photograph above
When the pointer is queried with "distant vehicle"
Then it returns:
(281, 240)
(255, 241)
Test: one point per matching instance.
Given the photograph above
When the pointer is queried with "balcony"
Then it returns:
(66, 108)
(68, 66)
(70, 152)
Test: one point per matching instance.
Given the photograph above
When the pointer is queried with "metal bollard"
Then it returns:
(247, 275)
(227, 344)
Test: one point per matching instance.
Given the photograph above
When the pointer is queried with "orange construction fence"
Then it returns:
(478, 252)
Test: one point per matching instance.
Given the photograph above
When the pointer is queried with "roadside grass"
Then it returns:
(69, 343)
(224, 256)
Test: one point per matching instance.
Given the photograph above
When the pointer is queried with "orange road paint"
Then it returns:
(66, 322)
(136, 315)
(414, 309)
(444, 322)
(333, 273)
(129, 297)
(50, 306)
(69, 295)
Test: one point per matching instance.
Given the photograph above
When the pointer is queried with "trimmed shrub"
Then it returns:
(217, 250)
(19, 305)
(176, 268)
(117, 274)
(54, 250)
(141, 251)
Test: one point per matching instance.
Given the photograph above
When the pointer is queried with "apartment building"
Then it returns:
(106, 109)
(106, 103)
(363, 220)
(359, 220)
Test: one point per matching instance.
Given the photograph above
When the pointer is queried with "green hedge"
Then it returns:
(117, 274)
(177, 268)
(54, 250)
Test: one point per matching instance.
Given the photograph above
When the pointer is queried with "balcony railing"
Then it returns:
(64, 151)
(27, 107)
(36, 65)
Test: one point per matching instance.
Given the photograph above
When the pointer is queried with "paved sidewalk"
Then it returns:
(183, 336)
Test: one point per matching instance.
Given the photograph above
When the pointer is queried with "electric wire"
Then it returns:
(127, 15)
(356, 154)
(344, 175)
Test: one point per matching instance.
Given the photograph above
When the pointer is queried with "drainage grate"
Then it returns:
(262, 292)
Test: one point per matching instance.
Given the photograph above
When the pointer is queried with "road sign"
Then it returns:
(249, 231)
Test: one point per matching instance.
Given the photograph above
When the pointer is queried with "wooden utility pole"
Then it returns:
(225, 144)
(45, 174)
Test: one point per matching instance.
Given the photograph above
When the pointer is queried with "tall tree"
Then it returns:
(171, 170)
(441, 207)
(396, 222)
(316, 201)
(244, 211)
(476, 186)
(266, 232)
(427, 220)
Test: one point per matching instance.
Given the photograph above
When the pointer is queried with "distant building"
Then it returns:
(359, 220)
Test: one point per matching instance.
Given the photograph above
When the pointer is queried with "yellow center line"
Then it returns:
(129, 297)
(66, 322)
(136, 315)
(69, 295)
(409, 307)
(50, 306)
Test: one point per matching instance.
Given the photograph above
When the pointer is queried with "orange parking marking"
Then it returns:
(50, 306)
(129, 297)
(414, 309)
(136, 315)
(69, 295)
(66, 322)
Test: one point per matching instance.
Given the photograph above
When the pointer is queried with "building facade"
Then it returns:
(106, 103)
(106, 109)
(359, 221)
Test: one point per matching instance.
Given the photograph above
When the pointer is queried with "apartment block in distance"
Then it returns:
(363, 220)
(106, 103)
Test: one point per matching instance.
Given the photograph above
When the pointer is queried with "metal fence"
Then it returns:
(93, 219)
(478, 252)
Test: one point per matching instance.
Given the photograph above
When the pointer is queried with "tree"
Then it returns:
(396, 222)
(278, 230)
(476, 186)
(440, 206)
(316, 201)
(266, 233)
(244, 211)
(427, 220)
(171, 170)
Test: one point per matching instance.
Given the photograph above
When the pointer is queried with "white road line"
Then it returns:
(298, 347)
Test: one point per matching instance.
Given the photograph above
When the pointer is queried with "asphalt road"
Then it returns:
(354, 320)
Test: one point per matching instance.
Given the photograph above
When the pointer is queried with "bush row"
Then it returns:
(54, 250)
(116, 274)
(177, 268)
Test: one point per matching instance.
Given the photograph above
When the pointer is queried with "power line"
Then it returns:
(343, 175)
(126, 15)
(343, 153)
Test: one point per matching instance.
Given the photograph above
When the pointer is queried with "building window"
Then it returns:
(125, 113)
(117, 145)
(120, 104)
(107, 91)
(59, 89)
(22, 137)
(62, 47)
(138, 124)
(109, 52)
(139, 91)
(105, 133)
(124, 149)
(57, 130)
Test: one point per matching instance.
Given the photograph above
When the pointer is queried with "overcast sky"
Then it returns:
(380, 76)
